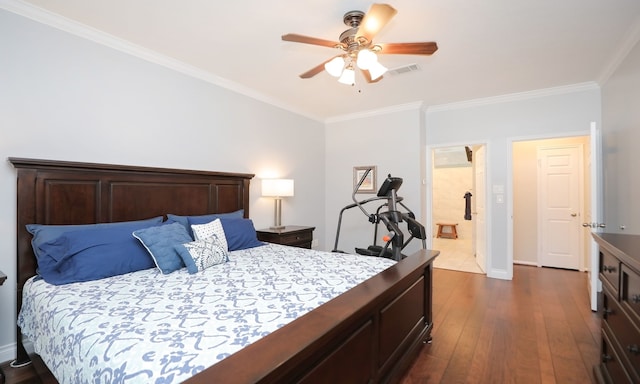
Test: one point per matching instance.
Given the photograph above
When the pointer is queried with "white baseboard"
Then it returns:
(7, 352)
(499, 274)
(530, 263)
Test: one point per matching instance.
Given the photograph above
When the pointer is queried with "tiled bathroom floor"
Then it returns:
(455, 254)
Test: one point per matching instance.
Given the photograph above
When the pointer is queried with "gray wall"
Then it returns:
(389, 140)
(620, 144)
(66, 98)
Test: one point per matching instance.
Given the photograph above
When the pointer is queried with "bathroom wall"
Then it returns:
(449, 186)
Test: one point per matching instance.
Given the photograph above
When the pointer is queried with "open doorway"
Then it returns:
(458, 207)
(550, 195)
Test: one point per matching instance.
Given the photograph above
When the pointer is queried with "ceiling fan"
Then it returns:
(358, 49)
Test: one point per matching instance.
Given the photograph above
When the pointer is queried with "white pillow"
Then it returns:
(202, 254)
(214, 228)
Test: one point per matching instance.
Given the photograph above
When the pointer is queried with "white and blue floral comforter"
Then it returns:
(146, 327)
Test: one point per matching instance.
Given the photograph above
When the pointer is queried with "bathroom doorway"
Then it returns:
(458, 180)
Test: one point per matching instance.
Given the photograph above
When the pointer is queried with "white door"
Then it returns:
(479, 199)
(594, 217)
(559, 191)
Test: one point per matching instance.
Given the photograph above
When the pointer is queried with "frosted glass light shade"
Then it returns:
(366, 59)
(376, 70)
(277, 187)
(348, 77)
(335, 66)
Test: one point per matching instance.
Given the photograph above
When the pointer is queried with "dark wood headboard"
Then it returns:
(61, 192)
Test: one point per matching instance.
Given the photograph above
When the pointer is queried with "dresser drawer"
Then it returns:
(630, 292)
(612, 370)
(610, 271)
(627, 336)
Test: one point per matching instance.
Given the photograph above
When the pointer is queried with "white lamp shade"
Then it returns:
(335, 66)
(348, 77)
(277, 187)
(366, 59)
(376, 70)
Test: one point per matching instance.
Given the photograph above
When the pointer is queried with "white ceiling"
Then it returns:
(486, 48)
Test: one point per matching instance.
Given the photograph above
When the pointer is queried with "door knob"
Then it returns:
(587, 225)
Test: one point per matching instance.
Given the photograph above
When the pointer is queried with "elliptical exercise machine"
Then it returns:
(391, 218)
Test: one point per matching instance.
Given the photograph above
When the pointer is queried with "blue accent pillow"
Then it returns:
(160, 241)
(240, 233)
(92, 253)
(188, 221)
(46, 233)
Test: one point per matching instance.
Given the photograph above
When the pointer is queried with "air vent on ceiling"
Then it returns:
(404, 69)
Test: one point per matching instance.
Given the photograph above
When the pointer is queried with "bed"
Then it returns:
(369, 334)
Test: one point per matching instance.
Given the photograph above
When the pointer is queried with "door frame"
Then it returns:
(509, 180)
(429, 150)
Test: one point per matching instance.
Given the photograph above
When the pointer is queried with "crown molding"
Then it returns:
(515, 97)
(630, 41)
(73, 27)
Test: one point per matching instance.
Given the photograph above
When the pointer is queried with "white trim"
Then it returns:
(417, 105)
(529, 263)
(84, 31)
(515, 97)
(501, 274)
(630, 40)
(7, 352)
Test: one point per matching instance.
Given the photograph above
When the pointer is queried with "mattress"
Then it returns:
(146, 327)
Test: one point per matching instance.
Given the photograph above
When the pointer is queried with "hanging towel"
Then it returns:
(467, 206)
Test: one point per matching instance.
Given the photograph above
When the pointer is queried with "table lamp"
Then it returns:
(277, 188)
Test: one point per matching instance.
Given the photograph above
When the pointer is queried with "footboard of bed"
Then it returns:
(370, 334)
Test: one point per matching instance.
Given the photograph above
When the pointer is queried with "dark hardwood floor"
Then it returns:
(537, 328)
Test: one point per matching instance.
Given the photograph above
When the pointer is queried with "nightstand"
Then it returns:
(293, 235)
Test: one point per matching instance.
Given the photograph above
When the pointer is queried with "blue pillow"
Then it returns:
(160, 241)
(240, 233)
(46, 233)
(188, 221)
(92, 253)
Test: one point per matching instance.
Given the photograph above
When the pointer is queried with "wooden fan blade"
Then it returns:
(375, 19)
(309, 40)
(426, 48)
(315, 70)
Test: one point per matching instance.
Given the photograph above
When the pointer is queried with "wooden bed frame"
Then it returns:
(370, 334)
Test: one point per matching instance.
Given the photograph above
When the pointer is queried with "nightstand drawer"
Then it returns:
(296, 238)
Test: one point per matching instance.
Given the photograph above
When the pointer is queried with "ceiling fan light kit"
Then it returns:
(348, 76)
(335, 66)
(357, 46)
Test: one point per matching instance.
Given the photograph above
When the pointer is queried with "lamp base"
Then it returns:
(278, 227)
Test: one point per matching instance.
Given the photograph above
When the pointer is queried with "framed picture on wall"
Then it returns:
(369, 183)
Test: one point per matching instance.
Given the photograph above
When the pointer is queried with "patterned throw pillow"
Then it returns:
(202, 254)
(214, 228)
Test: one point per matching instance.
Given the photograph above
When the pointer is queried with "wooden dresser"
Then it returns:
(620, 276)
